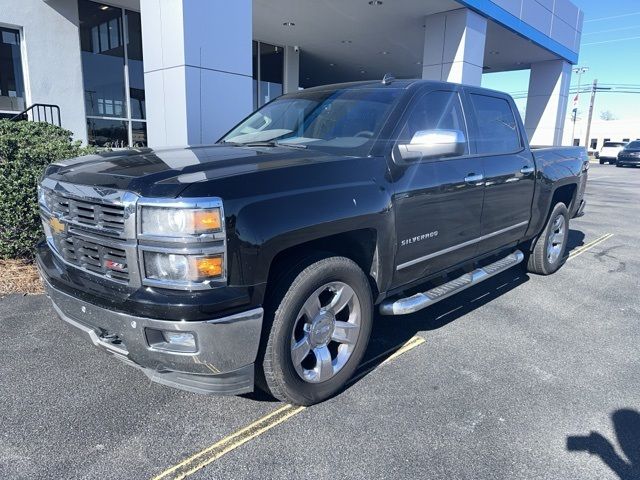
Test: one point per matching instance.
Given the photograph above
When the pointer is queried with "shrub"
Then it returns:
(26, 148)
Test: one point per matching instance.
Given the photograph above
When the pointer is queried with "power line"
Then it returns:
(612, 17)
(611, 41)
(611, 30)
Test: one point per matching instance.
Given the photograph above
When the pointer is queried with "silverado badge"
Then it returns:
(56, 225)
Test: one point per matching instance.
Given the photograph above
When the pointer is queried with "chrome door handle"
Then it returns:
(527, 170)
(474, 178)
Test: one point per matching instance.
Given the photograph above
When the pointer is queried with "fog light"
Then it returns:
(182, 339)
(171, 341)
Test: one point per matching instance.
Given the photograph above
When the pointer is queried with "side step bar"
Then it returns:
(404, 306)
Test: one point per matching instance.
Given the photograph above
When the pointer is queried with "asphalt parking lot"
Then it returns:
(521, 377)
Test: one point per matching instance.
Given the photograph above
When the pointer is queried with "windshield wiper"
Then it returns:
(268, 143)
(300, 146)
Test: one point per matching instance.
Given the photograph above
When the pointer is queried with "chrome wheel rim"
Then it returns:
(555, 242)
(325, 332)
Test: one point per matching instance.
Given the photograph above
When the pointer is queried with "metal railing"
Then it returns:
(40, 112)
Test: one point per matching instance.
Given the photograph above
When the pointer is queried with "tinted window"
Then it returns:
(635, 144)
(613, 144)
(497, 126)
(346, 119)
(436, 111)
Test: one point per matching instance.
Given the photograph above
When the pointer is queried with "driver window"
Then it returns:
(436, 110)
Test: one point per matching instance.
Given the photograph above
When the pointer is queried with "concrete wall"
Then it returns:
(50, 56)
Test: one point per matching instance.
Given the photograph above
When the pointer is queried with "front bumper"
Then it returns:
(623, 161)
(226, 348)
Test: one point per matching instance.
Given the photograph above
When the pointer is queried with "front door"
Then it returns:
(437, 201)
(509, 171)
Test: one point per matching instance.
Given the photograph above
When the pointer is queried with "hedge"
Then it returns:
(26, 148)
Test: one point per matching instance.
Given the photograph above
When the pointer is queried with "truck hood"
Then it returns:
(167, 172)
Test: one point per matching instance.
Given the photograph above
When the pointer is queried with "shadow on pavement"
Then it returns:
(575, 240)
(626, 423)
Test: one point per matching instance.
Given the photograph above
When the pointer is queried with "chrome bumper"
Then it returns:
(224, 356)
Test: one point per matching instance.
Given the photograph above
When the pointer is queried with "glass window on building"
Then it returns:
(593, 144)
(11, 79)
(111, 45)
(268, 72)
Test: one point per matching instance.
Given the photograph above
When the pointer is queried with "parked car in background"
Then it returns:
(629, 155)
(609, 152)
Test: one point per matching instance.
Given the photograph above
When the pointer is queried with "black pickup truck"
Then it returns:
(260, 260)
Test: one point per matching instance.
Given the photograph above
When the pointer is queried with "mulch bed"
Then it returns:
(19, 276)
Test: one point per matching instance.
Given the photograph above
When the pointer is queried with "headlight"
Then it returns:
(183, 269)
(177, 222)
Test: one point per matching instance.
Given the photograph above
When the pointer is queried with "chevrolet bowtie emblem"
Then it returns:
(56, 225)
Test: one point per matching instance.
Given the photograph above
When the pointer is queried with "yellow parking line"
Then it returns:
(210, 454)
(590, 245)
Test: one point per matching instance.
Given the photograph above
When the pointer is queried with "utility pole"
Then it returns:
(579, 71)
(593, 100)
(594, 89)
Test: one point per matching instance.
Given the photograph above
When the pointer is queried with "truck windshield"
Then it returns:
(342, 120)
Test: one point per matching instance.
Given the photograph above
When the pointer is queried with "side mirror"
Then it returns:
(433, 143)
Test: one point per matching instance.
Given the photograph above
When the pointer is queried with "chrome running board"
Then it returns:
(404, 306)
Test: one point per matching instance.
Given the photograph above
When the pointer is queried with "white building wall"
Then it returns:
(547, 101)
(50, 56)
(454, 47)
(197, 68)
(614, 130)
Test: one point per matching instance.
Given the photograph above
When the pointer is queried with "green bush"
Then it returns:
(26, 148)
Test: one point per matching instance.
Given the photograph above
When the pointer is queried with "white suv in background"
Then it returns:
(609, 152)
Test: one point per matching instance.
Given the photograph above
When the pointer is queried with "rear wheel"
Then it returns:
(319, 332)
(549, 248)
(601, 162)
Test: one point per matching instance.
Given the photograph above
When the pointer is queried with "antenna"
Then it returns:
(387, 79)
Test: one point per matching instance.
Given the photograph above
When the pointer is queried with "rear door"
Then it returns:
(437, 201)
(509, 169)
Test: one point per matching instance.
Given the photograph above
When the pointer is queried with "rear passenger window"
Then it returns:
(437, 110)
(497, 127)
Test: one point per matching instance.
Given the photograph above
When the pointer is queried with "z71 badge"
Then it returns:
(419, 238)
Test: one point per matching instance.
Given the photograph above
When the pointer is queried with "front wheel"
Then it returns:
(319, 331)
(549, 248)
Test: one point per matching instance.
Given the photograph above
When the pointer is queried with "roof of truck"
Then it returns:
(403, 83)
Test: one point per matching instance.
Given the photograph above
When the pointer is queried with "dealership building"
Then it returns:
(176, 72)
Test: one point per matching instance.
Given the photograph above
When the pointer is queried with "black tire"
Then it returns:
(280, 376)
(540, 261)
(601, 162)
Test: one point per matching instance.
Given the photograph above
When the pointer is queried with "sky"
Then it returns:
(610, 47)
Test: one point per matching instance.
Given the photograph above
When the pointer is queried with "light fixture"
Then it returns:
(375, 3)
(104, 7)
(289, 24)
(494, 52)
(346, 41)
(363, 71)
(332, 64)
(418, 63)
(384, 52)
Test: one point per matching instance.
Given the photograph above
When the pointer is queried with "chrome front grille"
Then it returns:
(92, 228)
(107, 219)
(103, 260)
